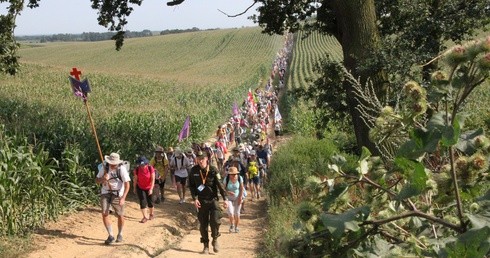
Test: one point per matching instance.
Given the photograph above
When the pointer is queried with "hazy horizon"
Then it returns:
(77, 17)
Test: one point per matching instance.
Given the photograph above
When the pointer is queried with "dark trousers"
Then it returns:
(209, 215)
(144, 197)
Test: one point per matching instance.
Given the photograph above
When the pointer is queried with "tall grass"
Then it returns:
(290, 172)
(35, 188)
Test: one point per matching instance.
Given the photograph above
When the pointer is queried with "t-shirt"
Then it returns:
(180, 166)
(114, 182)
(233, 187)
(144, 176)
(160, 166)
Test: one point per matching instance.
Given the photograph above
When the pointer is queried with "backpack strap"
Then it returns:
(181, 162)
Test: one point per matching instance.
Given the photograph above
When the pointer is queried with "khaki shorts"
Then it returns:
(106, 200)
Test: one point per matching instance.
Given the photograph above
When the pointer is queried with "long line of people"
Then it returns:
(241, 153)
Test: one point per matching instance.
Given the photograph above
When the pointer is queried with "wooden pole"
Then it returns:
(85, 101)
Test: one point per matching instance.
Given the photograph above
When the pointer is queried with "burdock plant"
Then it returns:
(427, 154)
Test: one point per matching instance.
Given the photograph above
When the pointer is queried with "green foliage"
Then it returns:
(304, 158)
(35, 188)
(423, 199)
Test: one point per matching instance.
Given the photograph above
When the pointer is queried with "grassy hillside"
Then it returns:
(141, 94)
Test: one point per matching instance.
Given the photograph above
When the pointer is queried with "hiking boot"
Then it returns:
(109, 240)
(119, 239)
(205, 250)
(231, 228)
(215, 245)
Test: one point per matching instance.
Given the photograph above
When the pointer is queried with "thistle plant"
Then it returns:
(428, 195)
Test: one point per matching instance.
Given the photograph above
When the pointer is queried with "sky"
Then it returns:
(76, 16)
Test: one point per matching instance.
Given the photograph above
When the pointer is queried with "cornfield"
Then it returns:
(140, 97)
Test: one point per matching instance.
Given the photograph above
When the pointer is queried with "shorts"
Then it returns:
(107, 200)
(255, 180)
(180, 180)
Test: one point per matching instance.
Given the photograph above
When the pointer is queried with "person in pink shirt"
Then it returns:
(144, 181)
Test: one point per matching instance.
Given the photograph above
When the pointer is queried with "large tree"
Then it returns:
(352, 22)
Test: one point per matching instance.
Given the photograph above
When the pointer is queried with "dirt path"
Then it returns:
(173, 233)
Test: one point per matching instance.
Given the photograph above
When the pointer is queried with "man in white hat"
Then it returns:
(114, 178)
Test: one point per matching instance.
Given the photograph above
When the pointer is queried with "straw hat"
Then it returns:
(113, 159)
(232, 171)
(159, 149)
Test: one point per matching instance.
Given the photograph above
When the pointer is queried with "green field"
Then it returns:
(307, 53)
(141, 94)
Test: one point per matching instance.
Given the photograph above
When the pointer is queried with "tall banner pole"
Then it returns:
(93, 130)
(81, 89)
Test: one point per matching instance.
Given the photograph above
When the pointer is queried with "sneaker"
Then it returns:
(215, 245)
(181, 201)
(119, 239)
(237, 230)
(109, 240)
(231, 228)
(205, 250)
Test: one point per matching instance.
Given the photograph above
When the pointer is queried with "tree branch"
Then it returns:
(235, 15)
(415, 214)
(175, 2)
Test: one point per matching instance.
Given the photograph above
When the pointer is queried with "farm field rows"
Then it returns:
(307, 53)
(144, 91)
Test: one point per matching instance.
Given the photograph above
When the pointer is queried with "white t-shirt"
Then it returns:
(114, 181)
(180, 166)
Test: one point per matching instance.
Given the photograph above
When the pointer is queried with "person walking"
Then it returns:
(160, 163)
(204, 184)
(114, 178)
(143, 183)
(253, 175)
(180, 163)
(234, 186)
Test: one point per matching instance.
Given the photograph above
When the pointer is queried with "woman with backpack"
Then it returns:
(233, 183)
(144, 181)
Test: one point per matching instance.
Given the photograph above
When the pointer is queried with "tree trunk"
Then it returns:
(359, 37)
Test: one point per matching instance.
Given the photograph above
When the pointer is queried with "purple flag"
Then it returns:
(185, 132)
(235, 109)
(80, 88)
